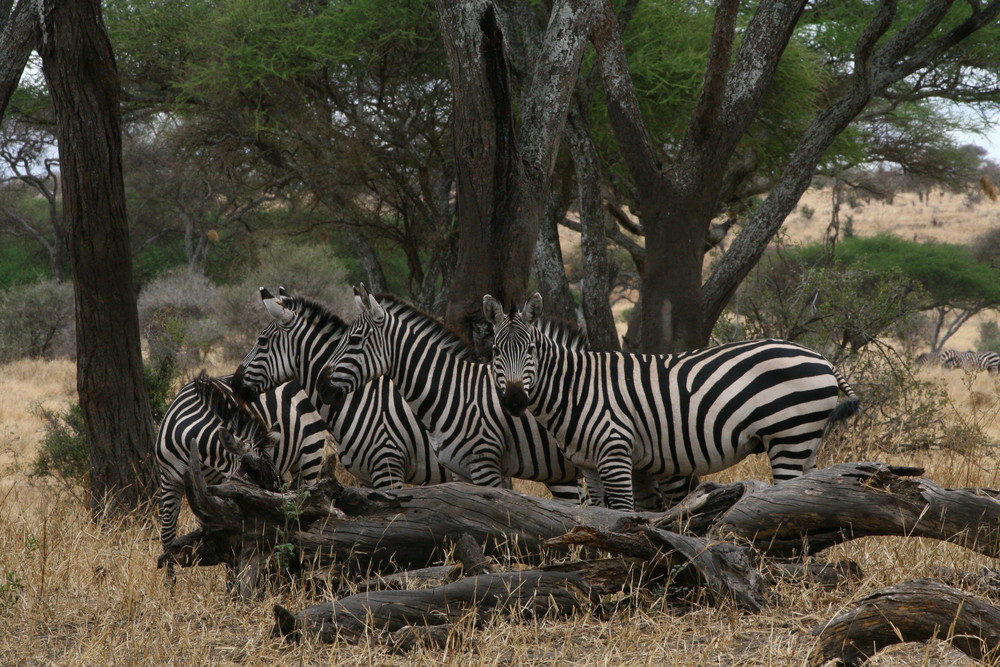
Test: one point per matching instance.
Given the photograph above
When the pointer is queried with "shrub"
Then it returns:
(33, 318)
(63, 453)
(307, 270)
(989, 337)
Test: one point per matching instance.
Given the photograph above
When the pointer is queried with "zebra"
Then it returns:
(206, 414)
(379, 439)
(951, 359)
(980, 361)
(451, 393)
(454, 397)
(683, 414)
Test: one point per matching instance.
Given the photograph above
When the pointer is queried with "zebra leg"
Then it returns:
(675, 489)
(170, 509)
(793, 456)
(646, 492)
(614, 465)
(484, 467)
(391, 470)
(569, 491)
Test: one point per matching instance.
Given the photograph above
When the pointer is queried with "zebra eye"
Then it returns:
(355, 339)
(496, 350)
(531, 349)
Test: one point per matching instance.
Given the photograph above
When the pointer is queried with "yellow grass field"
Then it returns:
(76, 593)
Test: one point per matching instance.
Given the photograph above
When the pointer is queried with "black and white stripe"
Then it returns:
(379, 439)
(669, 415)
(282, 424)
(975, 361)
(451, 393)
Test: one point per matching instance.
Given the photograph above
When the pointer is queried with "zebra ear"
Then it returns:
(493, 310)
(376, 310)
(276, 310)
(532, 309)
(361, 297)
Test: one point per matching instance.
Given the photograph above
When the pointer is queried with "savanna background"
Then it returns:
(75, 592)
(818, 153)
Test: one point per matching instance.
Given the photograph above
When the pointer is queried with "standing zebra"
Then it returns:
(205, 414)
(379, 439)
(683, 414)
(450, 392)
(979, 361)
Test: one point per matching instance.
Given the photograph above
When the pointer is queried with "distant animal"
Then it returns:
(279, 434)
(668, 415)
(379, 439)
(974, 361)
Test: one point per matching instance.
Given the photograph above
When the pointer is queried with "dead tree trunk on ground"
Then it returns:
(912, 611)
(359, 531)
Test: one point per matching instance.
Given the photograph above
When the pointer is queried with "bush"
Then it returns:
(185, 317)
(64, 445)
(310, 271)
(33, 319)
(827, 306)
(989, 337)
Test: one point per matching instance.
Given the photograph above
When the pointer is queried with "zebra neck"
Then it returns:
(554, 370)
(425, 374)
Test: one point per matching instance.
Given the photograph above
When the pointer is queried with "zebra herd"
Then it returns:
(952, 359)
(406, 402)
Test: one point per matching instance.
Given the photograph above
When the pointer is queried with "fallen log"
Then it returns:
(852, 500)
(918, 610)
(361, 531)
(555, 590)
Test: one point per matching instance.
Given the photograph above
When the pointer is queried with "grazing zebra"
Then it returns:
(379, 439)
(683, 414)
(951, 359)
(979, 361)
(451, 393)
(205, 414)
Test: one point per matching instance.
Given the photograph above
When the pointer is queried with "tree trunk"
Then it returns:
(596, 281)
(80, 70)
(503, 168)
(17, 37)
(548, 267)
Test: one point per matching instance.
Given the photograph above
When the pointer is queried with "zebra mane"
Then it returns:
(234, 414)
(565, 334)
(314, 311)
(427, 325)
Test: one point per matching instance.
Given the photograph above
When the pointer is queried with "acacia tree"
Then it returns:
(896, 56)
(79, 68)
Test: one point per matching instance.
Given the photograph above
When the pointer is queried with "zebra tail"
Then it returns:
(844, 411)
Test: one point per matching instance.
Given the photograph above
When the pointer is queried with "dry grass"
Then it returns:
(72, 592)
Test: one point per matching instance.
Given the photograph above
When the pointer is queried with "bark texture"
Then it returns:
(504, 164)
(912, 611)
(80, 70)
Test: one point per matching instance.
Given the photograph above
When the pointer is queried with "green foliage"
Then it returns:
(63, 452)
(32, 317)
(799, 295)
(11, 588)
(159, 375)
(947, 273)
(21, 263)
(989, 337)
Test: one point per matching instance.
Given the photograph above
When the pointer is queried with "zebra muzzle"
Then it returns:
(515, 400)
(330, 393)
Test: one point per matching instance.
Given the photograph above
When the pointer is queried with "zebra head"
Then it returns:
(242, 433)
(361, 355)
(270, 362)
(515, 353)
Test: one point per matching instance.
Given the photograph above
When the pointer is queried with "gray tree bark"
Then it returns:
(79, 67)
